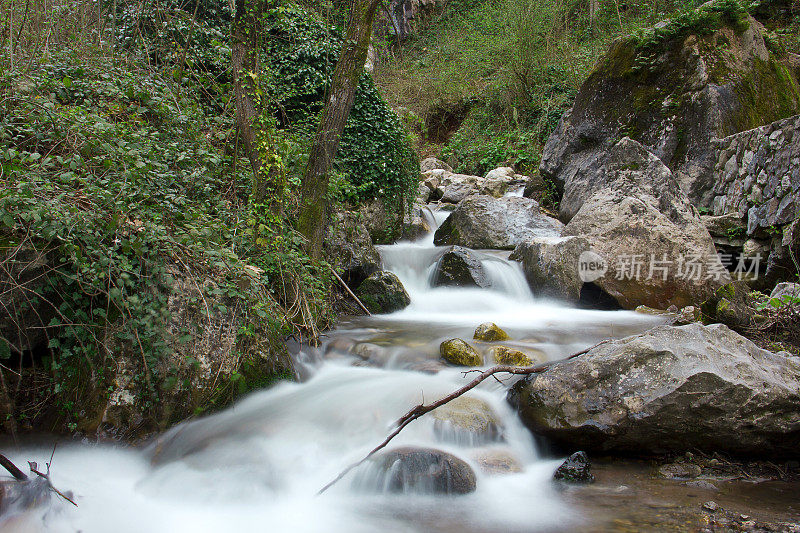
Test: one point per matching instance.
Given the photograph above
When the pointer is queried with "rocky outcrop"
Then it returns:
(348, 248)
(418, 470)
(732, 304)
(383, 292)
(656, 250)
(192, 371)
(674, 92)
(551, 266)
(670, 389)
(459, 267)
(490, 332)
(498, 223)
(458, 352)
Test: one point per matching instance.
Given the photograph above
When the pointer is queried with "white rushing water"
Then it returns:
(258, 465)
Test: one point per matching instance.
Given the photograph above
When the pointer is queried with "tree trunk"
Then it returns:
(256, 126)
(338, 103)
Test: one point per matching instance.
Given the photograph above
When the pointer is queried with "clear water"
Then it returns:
(258, 465)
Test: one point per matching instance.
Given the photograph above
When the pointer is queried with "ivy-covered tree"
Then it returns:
(256, 126)
(338, 103)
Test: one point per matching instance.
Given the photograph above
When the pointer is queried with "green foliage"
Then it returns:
(126, 176)
(375, 158)
(517, 63)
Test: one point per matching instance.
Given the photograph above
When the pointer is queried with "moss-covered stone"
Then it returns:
(504, 355)
(458, 352)
(490, 332)
(382, 292)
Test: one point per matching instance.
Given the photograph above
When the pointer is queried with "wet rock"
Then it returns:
(551, 265)
(382, 292)
(656, 251)
(503, 355)
(423, 470)
(466, 420)
(458, 352)
(679, 471)
(702, 484)
(490, 332)
(348, 248)
(494, 462)
(499, 223)
(459, 267)
(415, 225)
(431, 163)
(670, 389)
(576, 469)
(711, 505)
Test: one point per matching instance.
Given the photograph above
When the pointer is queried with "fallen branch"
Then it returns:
(422, 409)
(351, 293)
(20, 476)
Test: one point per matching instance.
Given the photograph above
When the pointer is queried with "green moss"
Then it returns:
(767, 93)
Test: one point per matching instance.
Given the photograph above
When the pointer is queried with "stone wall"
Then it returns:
(758, 175)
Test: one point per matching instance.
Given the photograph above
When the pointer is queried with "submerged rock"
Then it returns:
(466, 420)
(458, 352)
(504, 355)
(382, 292)
(576, 469)
(670, 389)
(679, 471)
(498, 223)
(459, 267)
(494, 462)
(419, 470)
(489, 332)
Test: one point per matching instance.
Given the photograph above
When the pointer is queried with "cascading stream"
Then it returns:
(258, 465)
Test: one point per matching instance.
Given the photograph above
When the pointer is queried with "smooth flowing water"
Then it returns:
(259, 465)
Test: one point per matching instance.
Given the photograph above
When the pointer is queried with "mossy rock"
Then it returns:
(382, 292)
(458, 352)
(504, 355)
(490, 332)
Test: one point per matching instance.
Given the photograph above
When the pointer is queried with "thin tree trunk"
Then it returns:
(256, 128)
(338, 103)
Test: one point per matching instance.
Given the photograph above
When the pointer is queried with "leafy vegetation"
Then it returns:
(122, 167)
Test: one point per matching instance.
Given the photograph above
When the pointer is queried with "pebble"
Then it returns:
(701, 484)
(710, 505)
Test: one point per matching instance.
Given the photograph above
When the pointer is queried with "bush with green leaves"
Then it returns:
(129, 180)
(375, 157)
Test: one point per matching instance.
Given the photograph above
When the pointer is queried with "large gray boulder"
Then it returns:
(670, 389)
(551, 265)
(482, 221)
(456, 187)
(657, 250)
(460, 267)
(674, 94)
(348, 248)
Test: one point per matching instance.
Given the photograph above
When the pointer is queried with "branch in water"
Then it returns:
(422, 409)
